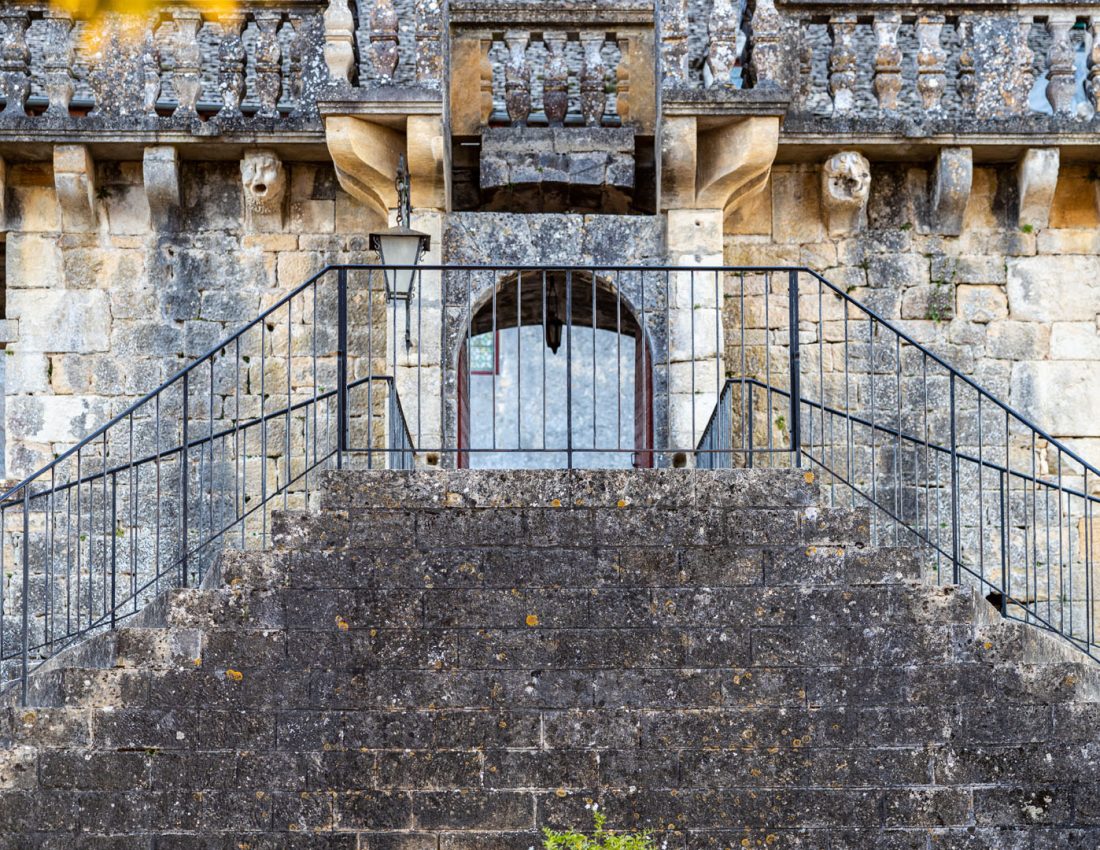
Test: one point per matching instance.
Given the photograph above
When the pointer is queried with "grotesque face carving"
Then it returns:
(264, 181)
(848, 179)
(845, 187)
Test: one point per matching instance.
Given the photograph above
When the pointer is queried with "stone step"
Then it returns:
(190, 608)
(541, 528)
(149, 648)
(666, 488)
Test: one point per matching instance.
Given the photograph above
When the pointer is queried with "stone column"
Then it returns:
(695, 344)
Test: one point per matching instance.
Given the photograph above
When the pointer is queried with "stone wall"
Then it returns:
(1013, 304)
(101, 317)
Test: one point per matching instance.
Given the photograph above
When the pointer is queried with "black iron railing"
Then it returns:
(540, 366)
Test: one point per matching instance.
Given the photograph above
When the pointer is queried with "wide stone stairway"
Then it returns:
(453, 660)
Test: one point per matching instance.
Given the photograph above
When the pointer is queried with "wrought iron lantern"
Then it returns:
(400, 248)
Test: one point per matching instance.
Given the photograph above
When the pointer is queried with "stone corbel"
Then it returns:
(1036, 179)
(427, 163)
(161, 173)
(74, 181)
(951, 181)
(734, 162)
(365, 155)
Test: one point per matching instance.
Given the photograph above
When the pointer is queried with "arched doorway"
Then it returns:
(555, 371)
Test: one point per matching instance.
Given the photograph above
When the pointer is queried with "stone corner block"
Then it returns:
(161, 173)
(951, 182)
(74, 180)
(1036, 179)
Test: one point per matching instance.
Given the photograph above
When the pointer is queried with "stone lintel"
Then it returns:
(74, 180)
(718, 106)
(950, 191)
(1036, 180)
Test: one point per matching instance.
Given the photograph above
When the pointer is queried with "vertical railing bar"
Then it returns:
(719, 359)
(1005, 588)
(569, 368)
(420, 357)
(184, 483)
(898, 499)
(768, 364)
(114, 547)
(668, 363)
(619, 360)
(26, 595)
(103, 586)
(595, 439)
(1061, 555)
(289, 399)
(543, 348)
(519, 360)
(493, 371)
(981, 494)
(691, 327)
(796, 369)
(874, 423)
(342, 365)
(745, 441)
(133, 519)
(955, 543)
(848, 406)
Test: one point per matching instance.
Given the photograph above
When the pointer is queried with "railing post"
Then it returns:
(956, 548)
(795, 357)
(26, 593)
(1005, 579)
(342, 366)
(185, 484)
(752, 422)
(114, 547)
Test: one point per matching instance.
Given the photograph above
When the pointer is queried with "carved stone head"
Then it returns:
(264, 182)
(845, 187)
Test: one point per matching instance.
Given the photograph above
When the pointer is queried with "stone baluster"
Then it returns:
(723, 51)
(1093, 85)
(966, 85)
(58, 62)
(231, 64)
(1062, 72)
(555, 81)
(767, 64)
(295, 84)
(339, 41)
(842, 63)
(15, 59)
(188, 75)
(805, 73)
(429, 42)
(593, 79)
(887, 60)
(517, 77)
(150, 67)
(269, 63)
(674, 41)
(1025, 64)
(384, 40)
(931, 61)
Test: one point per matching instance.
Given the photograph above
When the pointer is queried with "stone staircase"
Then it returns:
(454, 660)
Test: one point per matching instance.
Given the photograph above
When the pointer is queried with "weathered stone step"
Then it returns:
(666, 488)
(540, 528)
(192, 608)
(150, 648)
(620, 566)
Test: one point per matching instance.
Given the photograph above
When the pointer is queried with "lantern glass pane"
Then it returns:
(399, 250)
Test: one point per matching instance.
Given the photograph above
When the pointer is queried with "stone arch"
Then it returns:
(578, 301)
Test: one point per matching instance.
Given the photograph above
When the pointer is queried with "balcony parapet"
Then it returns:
(885, 68)
(180, 74)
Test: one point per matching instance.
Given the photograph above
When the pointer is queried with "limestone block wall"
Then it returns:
(101, 316)
(1012, 304)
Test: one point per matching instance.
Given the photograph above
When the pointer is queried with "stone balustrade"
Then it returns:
(973, 66)
(260, 62)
